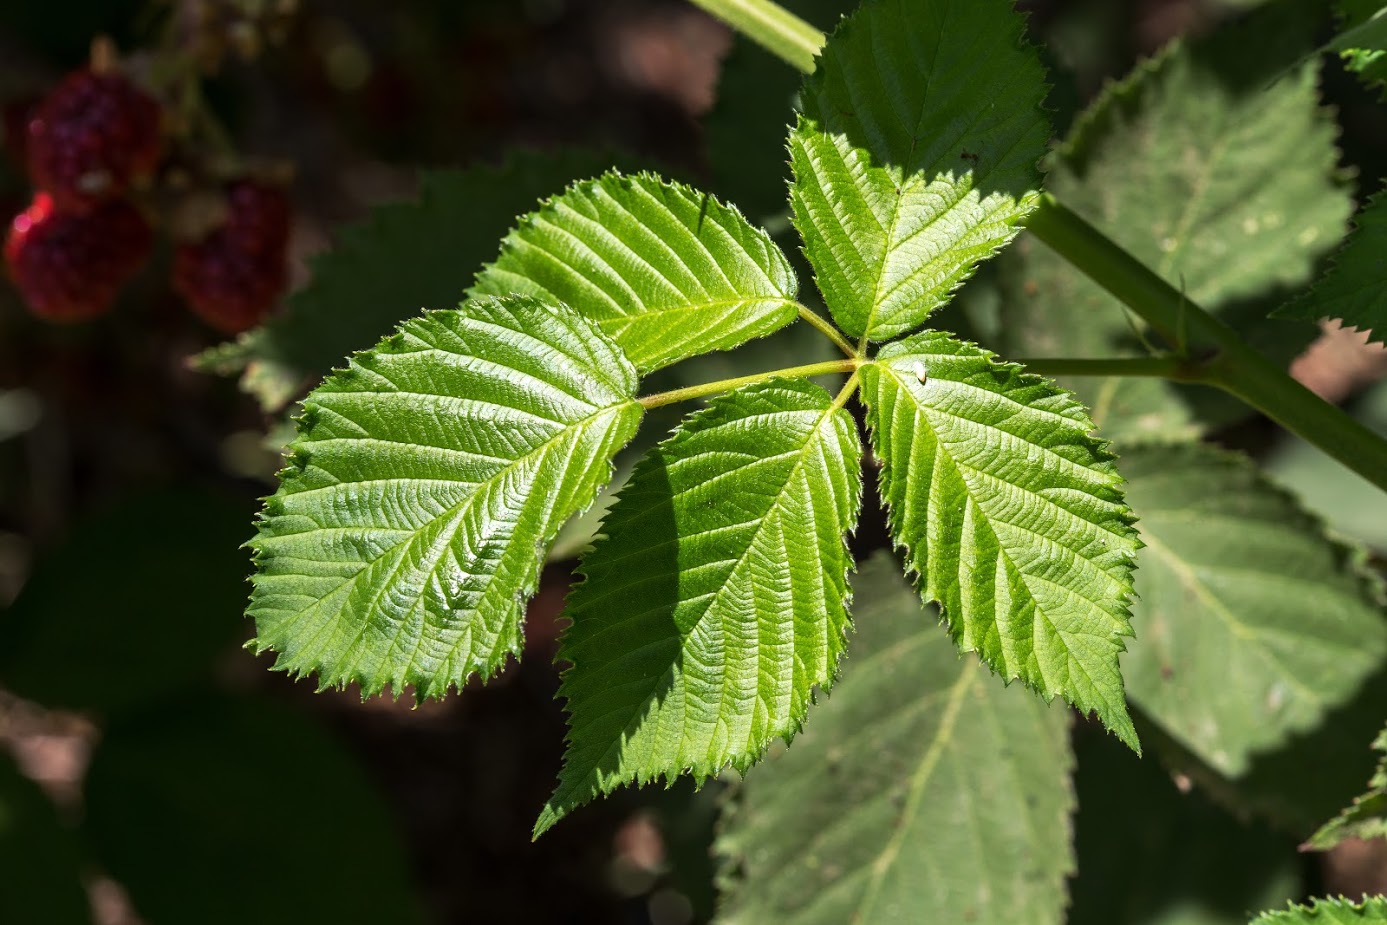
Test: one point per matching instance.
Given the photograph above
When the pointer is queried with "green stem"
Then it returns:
(829, 331)
(770, 25)
(661, 399)
(1176, 368)
(1231, 365)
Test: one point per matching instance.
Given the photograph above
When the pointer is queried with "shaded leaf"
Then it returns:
(244, 812)
(1152, 855)
(1254, 622)
(666, 271)
(1012, 516)
(1355, 287)
(1221, 180)
(916, 155)
(1367, 817)
(428, 479)
(1363, 42)
(99, 628)
(718, 599)
(922, 791)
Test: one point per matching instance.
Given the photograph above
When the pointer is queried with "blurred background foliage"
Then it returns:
(151, 771)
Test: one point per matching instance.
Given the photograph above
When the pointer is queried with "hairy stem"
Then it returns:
(829, 331)
(770, 25)
(1231, 365)
(660, 399)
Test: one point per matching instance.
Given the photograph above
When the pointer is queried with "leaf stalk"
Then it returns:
(770, 25)
(660, 399)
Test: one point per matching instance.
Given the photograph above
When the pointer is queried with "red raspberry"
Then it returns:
(236, 274)
(70, 266)
(91, 136)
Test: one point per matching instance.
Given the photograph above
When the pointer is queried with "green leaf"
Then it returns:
(1223, 181)
(1012, 516)
(245, 812)
(922, 791)
(1355, 287)
(34, 842)
(718, 599)
(1371, 911)
(1150, 854)
(1367, 817)
(916, 155)
(1363, 43)
(666, 271)
(1254, 622)
(87, 632)
(427, 481)
(406, 256)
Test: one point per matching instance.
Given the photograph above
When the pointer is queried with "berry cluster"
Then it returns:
(90, 147)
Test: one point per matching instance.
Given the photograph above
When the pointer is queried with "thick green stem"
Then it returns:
(1231, 364)
(661, 399)
(770, 25)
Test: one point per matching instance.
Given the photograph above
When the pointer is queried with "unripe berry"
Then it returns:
(91, 137)
(235, 275)
(70, 266)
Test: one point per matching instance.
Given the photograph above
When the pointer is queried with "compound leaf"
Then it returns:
(425, 485)
(666, 271)
(1371, 911)
(718, 598)
(408, 255)
(916, 155)
(1012, 516)
(1355, 288)
(1254, 623)
(1367, 817)
(922, 791)
(1219, 178)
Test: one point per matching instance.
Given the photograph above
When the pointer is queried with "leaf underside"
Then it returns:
(666, 271)
(1254, 622)
(1218, 177)
(922, 790)
(1367, 817)
(1011, 514)
(916, 155)
(1354, 289)
(1371, 911)
(718, 598)
(425, 485)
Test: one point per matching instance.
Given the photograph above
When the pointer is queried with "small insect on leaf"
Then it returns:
(920, 371)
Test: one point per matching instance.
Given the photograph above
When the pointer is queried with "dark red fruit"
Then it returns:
(236, 274)
(91, 137)
(69, 266)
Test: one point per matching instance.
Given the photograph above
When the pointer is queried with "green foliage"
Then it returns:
(1371, 911)
(921, 791)
(665, 271)
(69, 640)
(719, 593)
(1367, 817)
(1355, 288)
(1254, 622)
(1363, 42)
(1151, 855)
(405, 256)
(913, 162)
(1219, 178)
(1012, 516)
(426, 483)
(245, 812)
